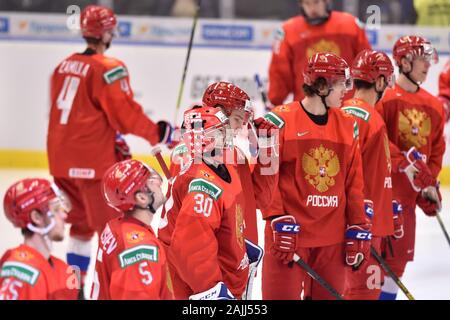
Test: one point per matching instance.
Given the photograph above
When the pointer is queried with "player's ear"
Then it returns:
(405, 65)
(141, 198)
(380, 83)
(37, 218)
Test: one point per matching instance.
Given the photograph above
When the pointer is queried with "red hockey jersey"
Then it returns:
(320, 177)
(131, 263)
(202, 225)
(91, 99)
(296, 41)
(25, 274)
(413, 119)
(376, 162)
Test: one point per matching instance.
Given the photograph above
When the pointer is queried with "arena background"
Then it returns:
(232, 43)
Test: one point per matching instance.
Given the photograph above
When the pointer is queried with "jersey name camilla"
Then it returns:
(131, 264)
(376, 162)
(414, 120)
(202, 226)
(91, 99)
(320, 177)
(296, 41)
(26, 275)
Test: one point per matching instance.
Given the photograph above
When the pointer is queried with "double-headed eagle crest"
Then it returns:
(414, 127)
(321, 165)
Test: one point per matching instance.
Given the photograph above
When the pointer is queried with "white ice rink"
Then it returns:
(428, 277)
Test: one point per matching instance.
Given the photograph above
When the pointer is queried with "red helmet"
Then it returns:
(369, 65)
(122, 180)
(95, 20)
(414, 46)
(228, 95)
(204, 130)
(25, 196)
(328, 66)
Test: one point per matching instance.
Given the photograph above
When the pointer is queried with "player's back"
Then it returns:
(80, 138)
(26, 275)
(205, 211)
(131, 263)
(376, 162)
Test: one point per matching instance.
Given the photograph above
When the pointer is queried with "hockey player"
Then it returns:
(444, 89)
(415, 123)
(91, 100)
(203, 222)
(317, 29)
(29, 271)
(321, 186)
(372, 73)
(236, 105)
(131, 263)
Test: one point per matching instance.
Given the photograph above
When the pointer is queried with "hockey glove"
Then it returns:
(122, 149)
(397, 211)
(285, 231)
(417, 171)
(357, 244)
(168, 135)
(430, 201)
(218, 292)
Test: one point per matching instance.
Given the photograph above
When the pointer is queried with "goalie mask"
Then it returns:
(207, 131)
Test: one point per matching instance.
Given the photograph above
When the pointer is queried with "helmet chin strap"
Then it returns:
(43, 231)
(150, 205)
(323, 97)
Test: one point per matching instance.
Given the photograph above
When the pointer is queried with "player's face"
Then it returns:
(314, 8)
(237, 119)
(336, 95)
(154, 184)
(420, 68)
(59, 213)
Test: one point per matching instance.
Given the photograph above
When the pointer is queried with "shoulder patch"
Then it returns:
(205, 186)
(137, 254)
(20, 271)
(275, 119)
(357, 112)
(115, 74)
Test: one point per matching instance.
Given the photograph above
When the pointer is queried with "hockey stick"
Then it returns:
(391, 274)
(441, 223)
(186, 62)
(260, 88)
(316, 277)
(156, 152)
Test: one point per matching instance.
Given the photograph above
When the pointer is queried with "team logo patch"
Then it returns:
(323, 46)
(275, 119)
(321, 165)
(23, 255)
(20, 271)
(137, 254)
(207, 187)
(357, 112)
(180, 149)
(115, 74)
(135, 236)
(414, 127)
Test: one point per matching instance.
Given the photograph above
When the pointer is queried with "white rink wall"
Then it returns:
(154, 49)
